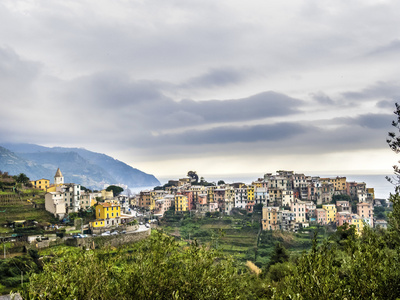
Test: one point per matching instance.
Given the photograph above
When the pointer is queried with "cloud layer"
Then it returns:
(157, 82)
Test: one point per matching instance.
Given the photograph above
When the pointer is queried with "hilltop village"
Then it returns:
(288, 200)
(62, 199)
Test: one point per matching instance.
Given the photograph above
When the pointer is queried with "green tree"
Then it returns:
(258, 207)
(115, 189)
(22, 178)
(394, 143)
(156, 268)
(279, 255)
(193, 175)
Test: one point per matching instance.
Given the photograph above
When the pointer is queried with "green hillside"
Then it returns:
(18, 202)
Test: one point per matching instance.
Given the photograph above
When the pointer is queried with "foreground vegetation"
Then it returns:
(343, 266)
(239, 235)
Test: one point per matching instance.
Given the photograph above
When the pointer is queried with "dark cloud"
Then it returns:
(16, 74)
(133, 103)
(234, 134)
(392, 47)
(379, 90)
(370, 121)
(260, 106)
(322, 98)
(215, 77)
(385, 104)
(374, 121)
(268, 140)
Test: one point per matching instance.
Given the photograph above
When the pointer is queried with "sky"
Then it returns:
(220, 87)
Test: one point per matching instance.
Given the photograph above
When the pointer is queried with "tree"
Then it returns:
(258, 207)
(341, 197)
(220, 182)
(22, 178)
(394, 144)
(279, 255)
(115, 189)
(155, 268)
(193, 175)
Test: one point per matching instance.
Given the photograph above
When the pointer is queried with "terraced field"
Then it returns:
(237, 236)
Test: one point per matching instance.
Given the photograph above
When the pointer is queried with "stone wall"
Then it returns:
(108, 241)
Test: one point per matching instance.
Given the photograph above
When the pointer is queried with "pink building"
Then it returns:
(366, 212)
(320, 214)
(343, 217)
(250, 206)
(202, 198)
(189, 195)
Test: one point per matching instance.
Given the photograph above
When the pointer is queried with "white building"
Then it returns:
(241, 197)
(55, 204)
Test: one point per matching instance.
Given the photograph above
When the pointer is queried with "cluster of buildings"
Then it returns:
(64, 198)
(289, 200)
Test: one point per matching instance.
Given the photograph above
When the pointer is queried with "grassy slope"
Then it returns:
(237, 236)
(23, 210)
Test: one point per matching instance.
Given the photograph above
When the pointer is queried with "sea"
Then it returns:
(381, 185)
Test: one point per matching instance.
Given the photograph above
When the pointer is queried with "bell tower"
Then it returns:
(58, 178)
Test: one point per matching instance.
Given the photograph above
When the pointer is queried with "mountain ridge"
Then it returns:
(78, 165)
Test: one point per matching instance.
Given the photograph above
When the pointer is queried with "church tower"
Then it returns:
(58, 178)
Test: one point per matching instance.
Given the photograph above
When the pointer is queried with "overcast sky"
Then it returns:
(214, 86)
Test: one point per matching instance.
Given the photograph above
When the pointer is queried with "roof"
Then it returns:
(58, 173)
(106, 204)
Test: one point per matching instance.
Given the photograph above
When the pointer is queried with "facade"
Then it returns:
(107, 215)
(261, 195)
(330, 213)
(145, 200)
(241, 197)
(270, 218)
(366, 212)
(87, 200)
(72, 194)
(181, 203)
(299, 209)
(343, 206)
(41, 184)
(55, 204)
(321, 216)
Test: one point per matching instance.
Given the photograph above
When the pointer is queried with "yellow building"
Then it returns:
(330, 212)
(270, 217)
(250, 193)
(107, 211)
(181, 203)
(97, 223)
(42, 184)
(339, 183)
(275, 194)
(371, 193)
(210, 193)
(357, 221)
(258, 184)
(107, 195)
(146, 200)
(107, 214)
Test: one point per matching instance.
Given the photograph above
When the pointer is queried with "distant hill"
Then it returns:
(90, 169)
